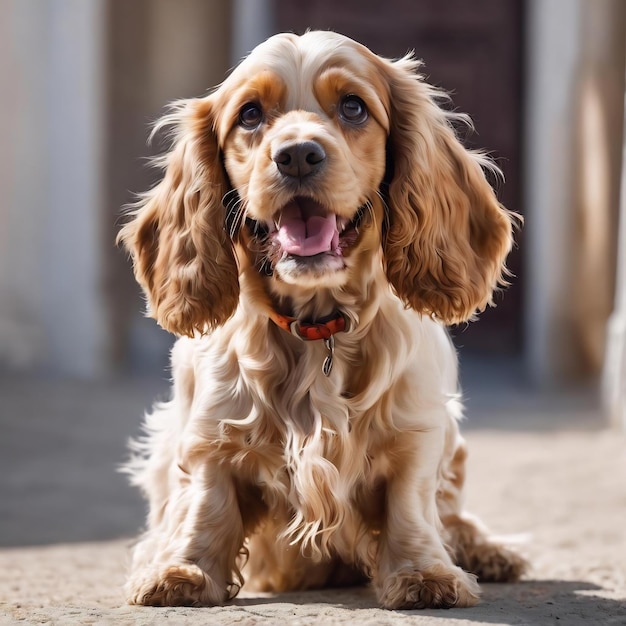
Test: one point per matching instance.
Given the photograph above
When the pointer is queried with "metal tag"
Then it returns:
(327, 366)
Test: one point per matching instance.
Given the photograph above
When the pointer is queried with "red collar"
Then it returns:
(311, 331)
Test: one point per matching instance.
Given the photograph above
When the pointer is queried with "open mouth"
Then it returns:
(304, 228)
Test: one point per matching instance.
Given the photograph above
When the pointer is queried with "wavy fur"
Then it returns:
(260, 467)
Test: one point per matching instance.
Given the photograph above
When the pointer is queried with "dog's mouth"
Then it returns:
(305, 229)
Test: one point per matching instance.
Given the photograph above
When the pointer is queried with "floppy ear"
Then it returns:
(182, 255)
(447, 236)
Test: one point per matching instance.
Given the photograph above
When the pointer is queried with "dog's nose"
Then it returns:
(299, 159)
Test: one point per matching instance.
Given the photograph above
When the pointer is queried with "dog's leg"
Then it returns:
(413, 568)
(469, 542)
(189, 557)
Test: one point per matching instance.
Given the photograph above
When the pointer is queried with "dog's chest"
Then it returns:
(300, 441)
(276, 438)
(316, 476)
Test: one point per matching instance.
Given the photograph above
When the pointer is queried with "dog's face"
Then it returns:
(318, 163)
(303, 135)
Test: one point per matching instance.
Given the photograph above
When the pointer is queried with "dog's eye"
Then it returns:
(353, 110)
(250, 115)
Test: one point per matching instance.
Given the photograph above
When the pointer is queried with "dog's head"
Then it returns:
(313, 161)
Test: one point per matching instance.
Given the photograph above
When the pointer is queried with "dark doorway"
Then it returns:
(474, 51)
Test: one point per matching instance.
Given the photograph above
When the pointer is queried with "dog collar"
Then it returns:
(325, 329)
(311, 331)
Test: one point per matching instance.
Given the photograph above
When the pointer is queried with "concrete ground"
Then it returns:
(542, 465)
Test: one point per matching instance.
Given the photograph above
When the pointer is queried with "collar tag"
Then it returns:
(327, 366)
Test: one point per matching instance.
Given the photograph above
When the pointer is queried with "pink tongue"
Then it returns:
(307, 236)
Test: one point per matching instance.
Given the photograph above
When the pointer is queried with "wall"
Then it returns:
(158, 51)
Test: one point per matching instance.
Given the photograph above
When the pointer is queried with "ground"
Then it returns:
(543, 468)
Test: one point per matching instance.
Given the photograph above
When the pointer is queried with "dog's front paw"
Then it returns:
(174, 585)
(437, 587)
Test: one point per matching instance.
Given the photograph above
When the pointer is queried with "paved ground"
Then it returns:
(541, 465)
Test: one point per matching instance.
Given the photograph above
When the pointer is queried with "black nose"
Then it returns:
(299, 159)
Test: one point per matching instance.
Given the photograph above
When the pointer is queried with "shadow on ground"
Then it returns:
(527, 602)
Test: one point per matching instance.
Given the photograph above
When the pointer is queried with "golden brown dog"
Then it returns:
(317, 225)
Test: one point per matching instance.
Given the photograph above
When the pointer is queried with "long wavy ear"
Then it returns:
(447, 236)
(182, 255)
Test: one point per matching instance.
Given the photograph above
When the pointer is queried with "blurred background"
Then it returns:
(82, 81)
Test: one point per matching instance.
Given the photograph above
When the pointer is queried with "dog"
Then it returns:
(317, 226)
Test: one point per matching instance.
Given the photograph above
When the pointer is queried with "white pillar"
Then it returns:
(552, 62)
(52, 316)
(575, 70)
(22, 184)
(614, 375)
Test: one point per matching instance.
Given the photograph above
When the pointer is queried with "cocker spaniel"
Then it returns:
(316, 227)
